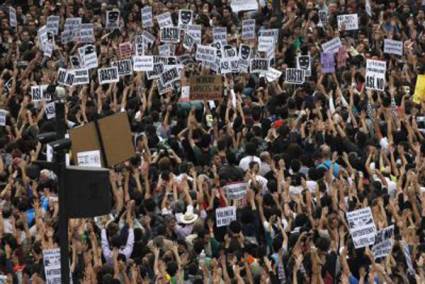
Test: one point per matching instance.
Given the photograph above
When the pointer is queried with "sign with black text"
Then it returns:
(375, 74)
(258, 65)
(362, 227)
(108, 75)
(170, 34)
(294, 76)
(225, 215)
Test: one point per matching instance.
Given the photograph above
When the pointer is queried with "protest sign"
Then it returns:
(185, 18)
(225, 215)
(229, 65)
(332, 46)
(148, 39)
(52, 24)
(220, 34)
(368, 8)
(273, 74)
(164, 20)
(269, 32)
(206, 87)
(143, 63)
(164, 49)
(125, 50)
(235, 191)
(323, 18)
(112, 19)
(265, 43)
(243, 5)
(205, 53)
(88, 56)
(12, 17)
(75, 61)
(86, 33)
(170, 34)
(375, 74)
(169, 76)
(229, 51)
(46, 40)
(304, 63)
(348, 22)
(327, 61)
(419, 94)
(125, 67)
(383, 242)
(50, 110)
(248, 29)
(81, 76)
(362, 227)
(196, 32)
(52, 265)
(65, 77)
(158, 68)
(108, 75)
(258, 65)
(244, 56)
(393, 47)
(188, 41)
(3, 115)
(294, 76)
(147, 20)
(71, 30)
(89, 159)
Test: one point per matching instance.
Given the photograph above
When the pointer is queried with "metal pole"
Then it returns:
(63, 218)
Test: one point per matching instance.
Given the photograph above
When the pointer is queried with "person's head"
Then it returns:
(250, 149)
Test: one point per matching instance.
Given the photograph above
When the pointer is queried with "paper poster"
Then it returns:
(89, 159)
(52, 265)
(269, 32)
(229, 65)
(304, 63)
(375, 74)
(220, 34)
(71, 30)
(196, 32)
(349, 22)
(185, 18)
(86, 33)
(327, 61)
(65, 77)
(248, 29)
(112, 19)
(81, 76)
(225, 215)
(164, 20)
(108, 75)
(243, 5)
(273, 74)
(147, 19)
(170, 34)
(362, 227)
(332, 46)
(169, 76)
(393, 47)
(12, 17)
(384, 241)
(3, 114)
(125, 50)
(419, 95)
(52, 24)
(258, 65)
(50, 110)
(235, 191)
(143, 63)
(265, 43)
(244, 56)
(38, 93)
(125, 67)
(89, 56)
(46, 40)
(158, 68)
(205, 53)
(188, 41)
(294, 76)
(206, 87)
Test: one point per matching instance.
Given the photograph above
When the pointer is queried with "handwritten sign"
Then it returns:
(375, 74)
(206, 87)
(349, 22)
(362, 227)
(225, 215)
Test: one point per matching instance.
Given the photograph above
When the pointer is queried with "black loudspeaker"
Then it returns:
(88, 192)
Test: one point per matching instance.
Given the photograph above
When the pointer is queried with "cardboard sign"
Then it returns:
(143, 63)
(362, 227)
(393, 47)
(294, 76)
(229, 65)
(248, 29)
(206, 87)
(273, 74)
(81, 76)
(3, 114)
(225, 215)
(332, 46)
(108, 75)
(243, 5)
(126, 50)
(169, 76)
(258, 65)
(89, 56)
(327, 61)
(125, 67)
(50, 110)
(348, 22)
(205, 53)
(113, 19)
(164, 20)
(52, 265)
(265, 43)
(220, 34)
(147, 19)
(304, 63)
(375, 74)
(383, 242)
(170, 34)
(196, 32)
(65, 77)
(86, 33)
(235, 191)
(89, 159)
(52, 24)
(12, 17)
(185, 18)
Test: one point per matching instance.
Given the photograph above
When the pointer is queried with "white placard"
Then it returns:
(86, 33)
(348, 22)
(294, 76)
(383, 242)
(37, 93)
(244, 57)
(3, 114)
(52, 24)
(368, 8)
(164, 49)
(75, 61)
(71, 30)
(125, 67)
(362, 227)
(12, 17)
(229, 65)
(196, 32)
(273, 74)
(205, 53)
(225, 215)
(169, 76)
(147, 39)
(52, 265)
(332, 46)
(164, 20)
(304, 63)
(147, 19)
(113, 19)
(220, 34)
(185, 18)
(323, 18)
(393, 47)
(46, 40)
(269, 32)
(50, 110)
(248, 29)
(65, 77)
(88, 56)
(158, 68)
(89, 159)
(235, 191)
(143, 63)
(258, 65)
(375, 74)
(188, 41)
(265, 43)
(243, 5)
(170, 34)
(108, 75)
(81, 77)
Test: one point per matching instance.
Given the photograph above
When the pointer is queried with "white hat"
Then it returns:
(188, 217)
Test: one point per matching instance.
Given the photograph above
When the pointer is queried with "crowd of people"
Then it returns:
(274, 182)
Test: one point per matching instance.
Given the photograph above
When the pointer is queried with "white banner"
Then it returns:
(383, 242)
(108, 75)
(393, 47)
(248, 29)
(294, 76)
(147, 19)
(225, 215)
(89, 159)
(375, 74)
(349, 22)
(236, 191)
(362, 227)
(243, 5)
(332, 46)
